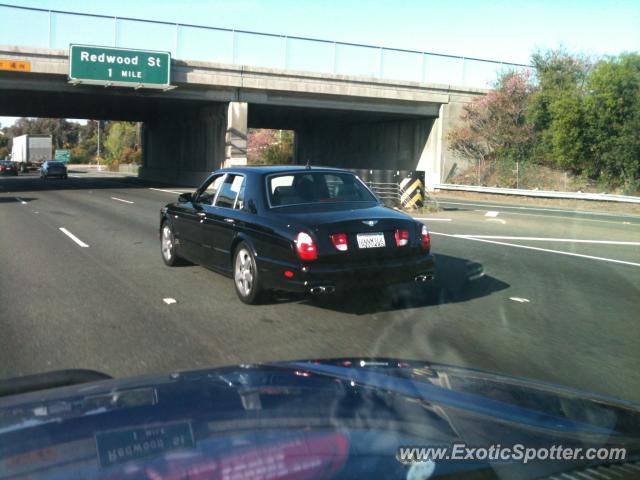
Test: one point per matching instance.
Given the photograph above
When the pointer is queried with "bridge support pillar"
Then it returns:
(437, 160)
(432, 157)
(184, 146)
(236, 138)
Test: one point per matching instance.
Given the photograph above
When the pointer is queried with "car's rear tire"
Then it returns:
(168, 246)
(246, 278)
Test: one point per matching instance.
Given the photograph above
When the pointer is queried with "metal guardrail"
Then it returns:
(58, 29)
(606, 197)
(396, 188)
(387, 192)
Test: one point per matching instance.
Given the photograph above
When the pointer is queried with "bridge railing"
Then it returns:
(37, 27)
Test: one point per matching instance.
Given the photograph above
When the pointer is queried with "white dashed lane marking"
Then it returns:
(168, 191)
(121, 200)
(73, 237)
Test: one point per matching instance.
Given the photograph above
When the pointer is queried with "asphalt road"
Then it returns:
(548, 295)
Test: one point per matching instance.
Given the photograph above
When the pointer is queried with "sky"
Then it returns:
(504, 30)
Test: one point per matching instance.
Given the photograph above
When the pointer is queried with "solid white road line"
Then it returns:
(562, 217)
(547, 239)
(167, 191)
(21, 201)
(519, 299)
(527, 247)
(513, 207)
(433, 219)
(73, 237)
(121, 200)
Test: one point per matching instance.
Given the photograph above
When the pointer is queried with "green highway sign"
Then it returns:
(62, 155)
(119, 67)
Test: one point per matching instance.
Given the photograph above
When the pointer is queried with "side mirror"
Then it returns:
(185, 197)
(251, 206)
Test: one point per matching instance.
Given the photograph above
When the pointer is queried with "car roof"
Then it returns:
(262, 169)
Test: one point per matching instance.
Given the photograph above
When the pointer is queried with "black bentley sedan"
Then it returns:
(296, 229)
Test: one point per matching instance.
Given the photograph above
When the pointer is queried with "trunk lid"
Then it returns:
(365, 227)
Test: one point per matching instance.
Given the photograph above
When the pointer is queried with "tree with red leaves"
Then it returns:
(494, 126)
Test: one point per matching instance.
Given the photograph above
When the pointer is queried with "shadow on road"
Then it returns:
(458, 280)
(15, 200)
(32, 182)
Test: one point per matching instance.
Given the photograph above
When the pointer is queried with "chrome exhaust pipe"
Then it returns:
(322, 289)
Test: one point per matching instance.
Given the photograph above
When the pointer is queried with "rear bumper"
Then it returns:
(346, 277)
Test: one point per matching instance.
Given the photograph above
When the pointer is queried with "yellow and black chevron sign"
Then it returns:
(411, 193)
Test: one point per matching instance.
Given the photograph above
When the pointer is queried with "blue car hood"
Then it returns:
(340, 418)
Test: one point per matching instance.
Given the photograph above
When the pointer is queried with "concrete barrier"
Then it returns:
(129, 168)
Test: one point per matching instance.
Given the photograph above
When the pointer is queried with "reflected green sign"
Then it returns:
(119, 67)
(124, 445)
(62, 155)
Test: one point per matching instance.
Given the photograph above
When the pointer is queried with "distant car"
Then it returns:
(296, 229)
(52, 168)
(8, 168)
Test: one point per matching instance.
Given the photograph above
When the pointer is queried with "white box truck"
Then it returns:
(29, 151)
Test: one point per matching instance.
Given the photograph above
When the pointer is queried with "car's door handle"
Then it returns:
(202, 214)
(229, 220)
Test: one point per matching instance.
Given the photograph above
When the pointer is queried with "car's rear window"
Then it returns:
(55, 164)
(297, 188)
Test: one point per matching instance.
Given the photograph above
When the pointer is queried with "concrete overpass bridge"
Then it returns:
(339, 120)
(352, 114)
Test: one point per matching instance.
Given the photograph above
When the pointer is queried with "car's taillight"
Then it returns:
(306, 248)
(425, 240)
(1, 169)
(340, 241)
(402, 237)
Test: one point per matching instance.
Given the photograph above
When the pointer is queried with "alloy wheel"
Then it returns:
(244, 272)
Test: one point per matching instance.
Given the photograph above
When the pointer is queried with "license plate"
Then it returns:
(371, 240)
